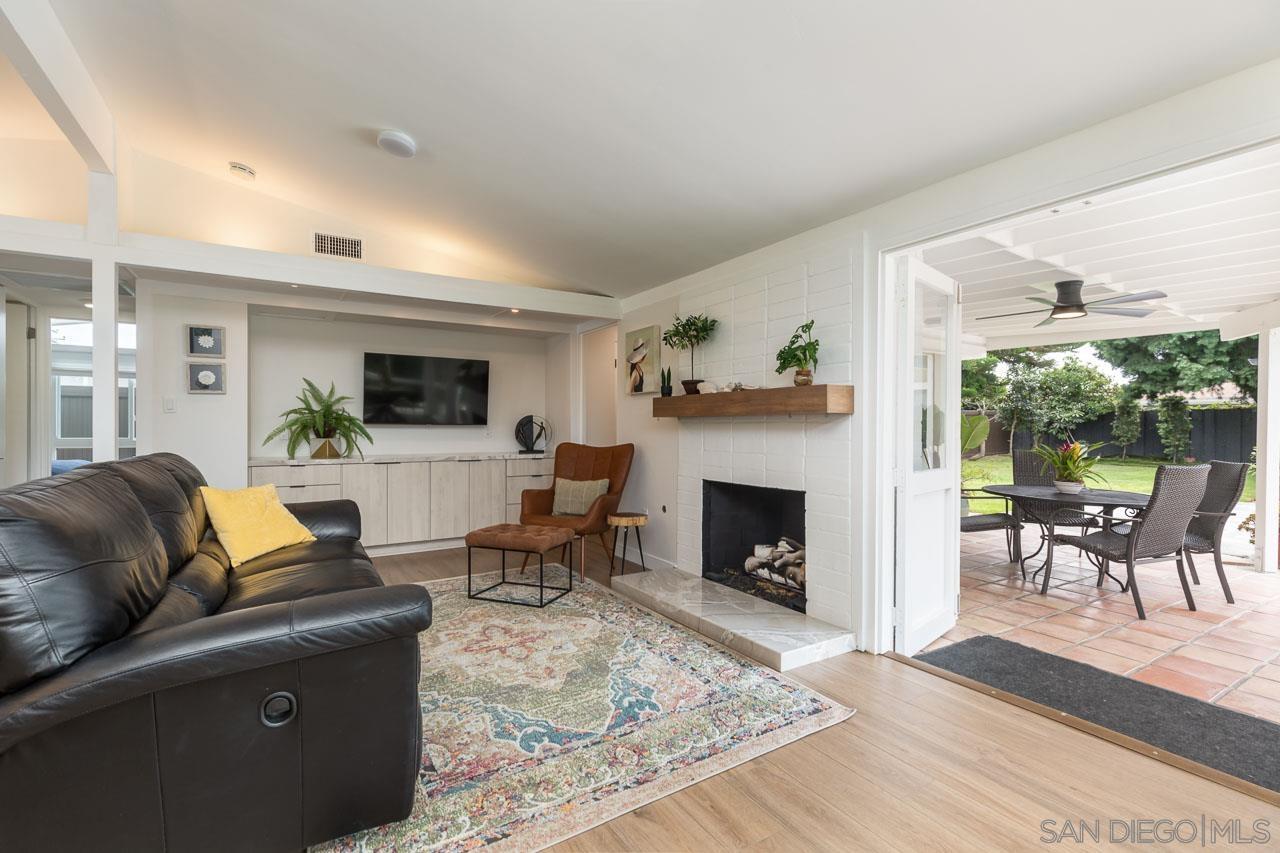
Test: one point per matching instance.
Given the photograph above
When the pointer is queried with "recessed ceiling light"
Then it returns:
(242, 171)
(88, 305)
(293, 285)
(1056, 210)
(397, 143)
(515, 310)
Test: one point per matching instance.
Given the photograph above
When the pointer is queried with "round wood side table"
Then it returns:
(625, 521)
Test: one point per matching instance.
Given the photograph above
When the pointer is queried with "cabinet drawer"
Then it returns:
(530, 467)
(516, 485)
(296, 475)
(300, 494)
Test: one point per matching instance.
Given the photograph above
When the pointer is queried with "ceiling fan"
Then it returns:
(1069, 305)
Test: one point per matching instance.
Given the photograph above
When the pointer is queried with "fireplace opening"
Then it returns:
(753, 541)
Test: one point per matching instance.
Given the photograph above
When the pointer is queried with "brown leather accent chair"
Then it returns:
(582, 462)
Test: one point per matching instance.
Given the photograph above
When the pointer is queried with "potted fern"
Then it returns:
(321, 421)
(688, 333)
(801, 352)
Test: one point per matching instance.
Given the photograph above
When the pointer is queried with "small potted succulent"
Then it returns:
(688, 333)
(319, 422)
(665, 387)
(801, 352)
(1070, 463)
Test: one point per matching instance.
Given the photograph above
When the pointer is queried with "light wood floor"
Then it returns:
(923, 765)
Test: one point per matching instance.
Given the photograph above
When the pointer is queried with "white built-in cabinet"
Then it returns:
(402, 502)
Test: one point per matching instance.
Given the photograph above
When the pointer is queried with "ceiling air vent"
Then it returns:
(339, 247)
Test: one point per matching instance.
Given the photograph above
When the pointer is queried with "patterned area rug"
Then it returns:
(540, 724)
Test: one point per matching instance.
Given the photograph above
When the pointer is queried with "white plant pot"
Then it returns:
(1068, 488)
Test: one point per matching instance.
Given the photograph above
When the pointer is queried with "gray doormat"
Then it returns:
(1225, 740)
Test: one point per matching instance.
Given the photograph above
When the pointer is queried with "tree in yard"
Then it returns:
(1186, 361)
(1173, 425)
(980, 387)
(1126, 426)
(1054, 400)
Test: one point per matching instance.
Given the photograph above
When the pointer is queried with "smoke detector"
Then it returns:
(242, 171)
(397, 143)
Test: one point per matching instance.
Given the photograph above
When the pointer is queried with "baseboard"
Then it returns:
(414, 547)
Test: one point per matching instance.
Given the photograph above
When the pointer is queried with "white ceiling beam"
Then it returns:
(1175, 222)
(1265, 244)
(1096, 217)
(33, 39)
(1204, 236)
(1050, 335)
(1250, 321)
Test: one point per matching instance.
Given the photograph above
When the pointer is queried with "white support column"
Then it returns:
(1267, 532)
(102, 229)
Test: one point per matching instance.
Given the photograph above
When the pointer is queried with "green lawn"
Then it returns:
(1129, 475)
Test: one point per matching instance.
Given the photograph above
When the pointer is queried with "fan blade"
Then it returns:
(1129, 297)
(1123, 312)
(1046, 321)
(1042, 301)
(1014, 314)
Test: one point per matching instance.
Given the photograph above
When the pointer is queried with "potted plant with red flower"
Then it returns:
(1071, 464)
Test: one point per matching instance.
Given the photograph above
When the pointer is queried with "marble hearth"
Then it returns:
(766, 632)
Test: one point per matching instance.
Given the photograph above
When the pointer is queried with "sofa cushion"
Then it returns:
(319, 551)
(176, 607)
(314, 569)
(168, 487)
(205, 578)
(79, 563)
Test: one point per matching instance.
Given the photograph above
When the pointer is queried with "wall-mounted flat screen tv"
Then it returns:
(423, 390)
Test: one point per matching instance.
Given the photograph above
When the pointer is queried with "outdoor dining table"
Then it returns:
(1110, 500)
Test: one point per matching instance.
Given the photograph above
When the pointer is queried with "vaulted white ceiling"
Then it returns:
(614, 146)
(1207, 236)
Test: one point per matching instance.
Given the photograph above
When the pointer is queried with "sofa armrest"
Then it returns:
(211, 647)
(338, 519)
(536, 502)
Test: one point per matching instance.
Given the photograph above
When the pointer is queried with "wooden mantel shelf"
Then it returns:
(797, 400)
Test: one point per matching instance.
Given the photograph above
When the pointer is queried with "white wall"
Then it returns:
(284, 350)
(209, 429)
(562, 378)
(651, 487)
(43, 179)
(16, 379)
(599, 375)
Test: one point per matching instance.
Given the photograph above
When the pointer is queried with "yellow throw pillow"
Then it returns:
(252, 522)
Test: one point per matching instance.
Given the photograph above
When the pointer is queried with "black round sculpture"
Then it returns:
(529, 431)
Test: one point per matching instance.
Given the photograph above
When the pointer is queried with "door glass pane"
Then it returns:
(929, 377)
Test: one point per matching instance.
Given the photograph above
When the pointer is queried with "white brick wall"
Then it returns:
(810, 453)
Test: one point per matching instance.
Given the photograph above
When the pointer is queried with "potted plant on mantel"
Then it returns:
(1071, 464)
(320, 421)
(801, 352)
(665, 387)
(688, 333)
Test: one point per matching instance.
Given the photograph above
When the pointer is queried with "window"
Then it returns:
(72, 353)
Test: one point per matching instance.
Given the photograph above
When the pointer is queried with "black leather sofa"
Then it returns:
(153, 698)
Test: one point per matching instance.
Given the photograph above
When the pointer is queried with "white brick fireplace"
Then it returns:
(810, 453)
(757, 314)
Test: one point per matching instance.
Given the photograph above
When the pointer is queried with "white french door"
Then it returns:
(927, 463)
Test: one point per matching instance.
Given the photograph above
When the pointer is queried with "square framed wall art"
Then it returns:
(206, 378)
(207, 341)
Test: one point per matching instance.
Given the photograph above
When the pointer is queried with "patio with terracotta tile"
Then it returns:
(1227, 654)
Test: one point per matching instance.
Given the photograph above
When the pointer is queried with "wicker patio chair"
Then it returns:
(982, 522)
(1204, 535)
(1158, 531)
